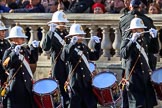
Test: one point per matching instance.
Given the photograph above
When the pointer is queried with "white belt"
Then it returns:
(59, 38)
(83, 57)
(26, 64)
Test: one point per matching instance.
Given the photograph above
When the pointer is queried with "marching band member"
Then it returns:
(54, 42)
(16, 61)
(135, 49)
(76, 54)
(4, 44)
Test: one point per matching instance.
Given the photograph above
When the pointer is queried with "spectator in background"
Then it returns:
(52, 7)
(114, 6)
(13, 4)
(3, 7)
(98, 8)
(34, 6)
(79, 6)
(154, 8)
(118, 5)
(159, 2)
(126, 7)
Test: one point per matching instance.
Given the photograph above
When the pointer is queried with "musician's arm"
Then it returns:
(9, 59)
(46, 46)
(95, 54)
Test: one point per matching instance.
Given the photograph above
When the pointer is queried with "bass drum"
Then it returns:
(106, 89)
(156, 79)
(46, 93)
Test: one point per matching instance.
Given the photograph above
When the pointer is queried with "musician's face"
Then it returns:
(18, 41)
(138, 30)
(2, 34)
(61, 25)
(80, 38)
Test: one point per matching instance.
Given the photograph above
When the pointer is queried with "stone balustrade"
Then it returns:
(107, 23)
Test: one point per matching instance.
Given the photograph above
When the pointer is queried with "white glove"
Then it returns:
(135, 36)
(35, 43)
(52, 27)
(95, 38)
(74, 40)
(17, 49)
(153, 32)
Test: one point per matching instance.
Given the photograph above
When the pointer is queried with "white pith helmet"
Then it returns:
(16, 32)
(2, 26)
(136, 23)
(76, 29)
(58, 16)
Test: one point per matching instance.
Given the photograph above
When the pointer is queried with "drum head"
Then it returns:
(157, 76)
(92, 67)
(44, 86)
(104, 80)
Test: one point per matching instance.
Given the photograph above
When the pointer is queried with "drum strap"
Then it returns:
(59, 38)
(26, 64)
(141, 49)
(83, 57)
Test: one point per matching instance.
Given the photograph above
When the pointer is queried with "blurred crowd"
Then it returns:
(77, 6)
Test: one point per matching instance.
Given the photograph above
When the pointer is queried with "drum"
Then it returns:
(46, 93)
(156, 78)
(106, 89)
(92, 68)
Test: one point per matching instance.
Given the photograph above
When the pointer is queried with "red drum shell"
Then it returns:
(106, 89)
(46, 93)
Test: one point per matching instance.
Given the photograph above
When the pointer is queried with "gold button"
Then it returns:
(83, 76)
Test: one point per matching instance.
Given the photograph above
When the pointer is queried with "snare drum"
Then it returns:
(46, 93)
(92, 68)
(106, 89)
(156, 78)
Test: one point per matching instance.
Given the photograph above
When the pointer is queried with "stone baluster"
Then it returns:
(116, 43)
(44, 31)
(106, 44)
(93, 30)
(33, 35)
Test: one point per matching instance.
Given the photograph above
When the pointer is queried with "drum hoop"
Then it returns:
(40, 94)
(105, 87)
(101, 73)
